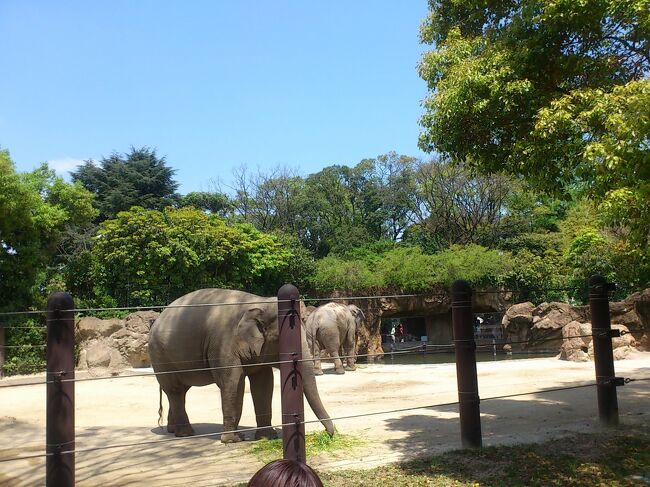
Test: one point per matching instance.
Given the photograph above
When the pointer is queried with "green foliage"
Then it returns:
(334, 273)
(26, 347)
(138, 178)
(315, 444)
(146, 257)
(555, 91)
(36, 211)
(215, 203)
(410, 269)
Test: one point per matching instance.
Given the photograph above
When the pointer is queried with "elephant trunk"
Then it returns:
(311, 391)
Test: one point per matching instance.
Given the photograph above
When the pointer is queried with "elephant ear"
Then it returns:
(359, 317)
(249, 337)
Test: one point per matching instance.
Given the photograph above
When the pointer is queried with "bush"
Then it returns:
(26, 347)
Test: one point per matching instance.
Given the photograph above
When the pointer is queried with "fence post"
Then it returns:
(291, 387)
(465, 347)
(2, 350)
(60, 465)
(601, 329)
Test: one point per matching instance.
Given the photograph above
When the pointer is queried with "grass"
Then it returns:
(613, 459)
(315, 444)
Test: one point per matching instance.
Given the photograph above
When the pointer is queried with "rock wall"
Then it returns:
(548, 326)
(114, 344)
(435, 306)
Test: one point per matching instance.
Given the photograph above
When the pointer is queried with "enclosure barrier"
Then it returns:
(466, 375)
(2, 349)
(293, 406)
(60, 435)
(601, 329)
(60, 439)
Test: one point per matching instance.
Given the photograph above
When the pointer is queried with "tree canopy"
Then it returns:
(554, 90)
(37, 210)
(120, 181)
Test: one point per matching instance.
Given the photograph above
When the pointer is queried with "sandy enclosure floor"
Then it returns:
(123, 410)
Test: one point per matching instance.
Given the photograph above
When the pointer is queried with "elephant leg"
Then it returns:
(317, 365)
(338, 365)
(350, 358)
(262, 392)
(232, 401)
(177, 420)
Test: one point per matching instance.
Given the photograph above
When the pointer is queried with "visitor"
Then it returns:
(400, 332)
(285, 473)
(392, 337)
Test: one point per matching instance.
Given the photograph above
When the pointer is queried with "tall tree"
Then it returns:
(458, 207)
(120, 181)
(555, 90)
(37, 209)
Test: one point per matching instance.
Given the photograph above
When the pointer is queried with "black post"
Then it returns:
(2, 350)
(293, 407)
(601, 329)
(60, 441)
(465, 346)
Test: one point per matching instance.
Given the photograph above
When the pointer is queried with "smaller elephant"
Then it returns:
(333, 327)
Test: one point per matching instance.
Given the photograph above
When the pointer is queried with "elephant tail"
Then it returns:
(160, 408)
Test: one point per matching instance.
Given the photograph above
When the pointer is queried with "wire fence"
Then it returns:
(627, 380)
(67, 376)
(415, 351)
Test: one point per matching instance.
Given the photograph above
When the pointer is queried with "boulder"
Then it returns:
(115, 344)
(575, 342)
(90, 327)
(517, 322)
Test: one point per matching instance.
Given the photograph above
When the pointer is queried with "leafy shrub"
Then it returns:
(26, 347)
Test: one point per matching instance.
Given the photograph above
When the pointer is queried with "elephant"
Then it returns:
(333, 327)
(242, 332)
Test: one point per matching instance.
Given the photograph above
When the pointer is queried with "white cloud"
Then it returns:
(64, 165)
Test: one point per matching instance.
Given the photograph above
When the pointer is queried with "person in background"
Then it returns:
(400, 332)
(285, 473)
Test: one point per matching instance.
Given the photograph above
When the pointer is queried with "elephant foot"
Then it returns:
(232, 437)
(268, 433)
(318, 371)
(181, 430)
(350, 367)
(340, 371)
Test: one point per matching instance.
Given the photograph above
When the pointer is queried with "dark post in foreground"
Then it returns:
(465, 346)
(601, 329)
(59, 429)
(293, 407)
(2, 350)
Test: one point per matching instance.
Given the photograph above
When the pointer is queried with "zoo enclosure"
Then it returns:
(60, 436)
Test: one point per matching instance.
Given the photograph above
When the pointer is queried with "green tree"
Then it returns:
(120, 181)
(212, 202)
(37, 211)
(554, 90)
(146, 257)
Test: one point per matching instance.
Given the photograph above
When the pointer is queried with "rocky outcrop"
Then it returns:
(436, 303)
(553, 326)
(114, 344)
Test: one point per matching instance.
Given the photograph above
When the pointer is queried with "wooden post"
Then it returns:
(59, 429)
(293, 407)
(466, 376)
(2, 350)
(601, 329)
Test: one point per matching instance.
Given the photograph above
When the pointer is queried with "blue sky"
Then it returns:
(212, 85)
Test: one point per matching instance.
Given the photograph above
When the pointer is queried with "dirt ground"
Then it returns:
(123, 411)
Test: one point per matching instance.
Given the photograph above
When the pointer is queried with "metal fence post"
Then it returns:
(465, 347)
(2, 350)
(60, 441)
(293, 407)
(601, 329)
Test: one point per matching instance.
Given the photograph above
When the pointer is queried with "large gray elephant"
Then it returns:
(333, 327)
(242, 332)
